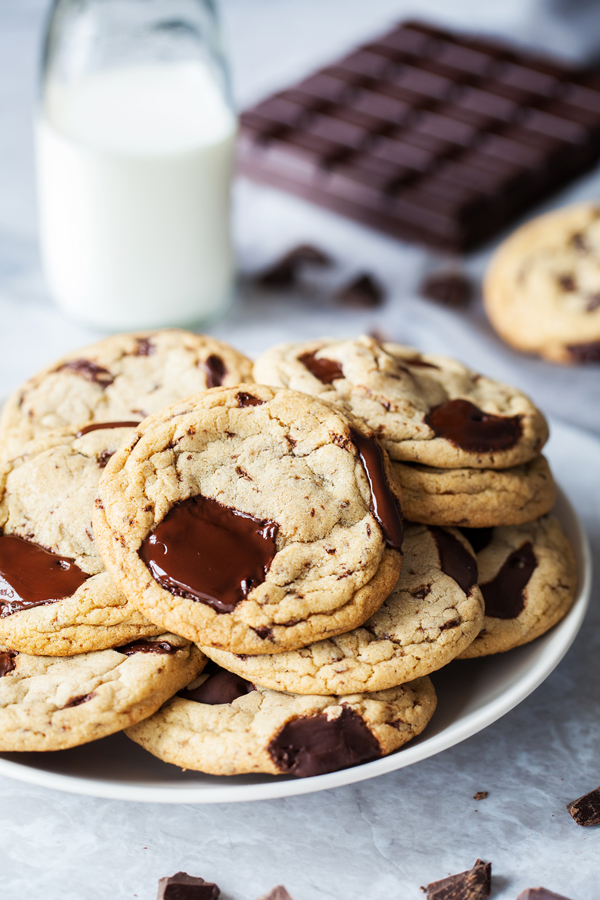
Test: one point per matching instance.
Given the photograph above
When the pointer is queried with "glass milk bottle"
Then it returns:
(134, 136)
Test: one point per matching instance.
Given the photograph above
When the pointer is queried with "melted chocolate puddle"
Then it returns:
(142, 646)
(211, 553)
(504, 595)
(315, 745)
(220, 687)
(7, 661)
(99, 426)
(215, 371)
(455, 560)
(384, 504)
(326, 370)
(469, 428)
(32, 576)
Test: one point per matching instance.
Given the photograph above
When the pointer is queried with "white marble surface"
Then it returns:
(380, 839)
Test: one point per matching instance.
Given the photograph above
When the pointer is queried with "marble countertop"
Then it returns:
(378, 839)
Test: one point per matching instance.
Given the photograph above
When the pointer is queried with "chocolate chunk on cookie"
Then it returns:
(253, 527)
(427, 409)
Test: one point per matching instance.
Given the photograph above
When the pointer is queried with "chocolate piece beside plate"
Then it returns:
(474, 884)
(431, 136)
(363, 291)
(448, 288)
(586, 810)
(185, 887)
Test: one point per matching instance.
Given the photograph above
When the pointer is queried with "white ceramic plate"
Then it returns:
(117, 768)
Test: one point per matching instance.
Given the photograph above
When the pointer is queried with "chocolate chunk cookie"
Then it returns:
(476, 498)
(528, 577)
(124, 377)
(225, 731)
(542, 289)
(427, 409)
(56, 597)
(433, 613)
(51, 704)
(252, 519)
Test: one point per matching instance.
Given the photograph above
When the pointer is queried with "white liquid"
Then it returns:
(134, 171)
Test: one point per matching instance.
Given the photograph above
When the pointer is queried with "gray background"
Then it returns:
(380, 839)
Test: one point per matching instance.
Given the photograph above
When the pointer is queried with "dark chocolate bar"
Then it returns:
(430, 136)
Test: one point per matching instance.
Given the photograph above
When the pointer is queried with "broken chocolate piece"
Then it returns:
(449, 288)
(284, 272)
(540, 893)
(276, 893)
(182, 886)
(480, 795)
(363, 291)
(586, 809)
(474, 884)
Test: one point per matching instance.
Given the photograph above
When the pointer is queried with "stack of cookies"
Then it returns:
(213, 555)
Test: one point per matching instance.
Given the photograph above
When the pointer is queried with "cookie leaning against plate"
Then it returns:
(423, 408)
(51, 704)
(124, 377)
(56, 597)
(223, 725)
(542, 288)
(528, 577)
(252, 519)
(476, 498)
(432, 615)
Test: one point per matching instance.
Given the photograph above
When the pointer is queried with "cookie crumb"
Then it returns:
(586, 810)
(480, 795)
(276, 893)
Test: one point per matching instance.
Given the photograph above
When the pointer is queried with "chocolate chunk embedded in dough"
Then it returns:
(215, 371)
(326, 370)
(7, 661)
(32, 576)
(585, 353)
(471, 429)
(142, 646)
(89, 370)
(384, 505)
(315, 745)
(211, 553)
(504, 594)
(586, 810)
(245, 399)
(100, 426)
(455, 560)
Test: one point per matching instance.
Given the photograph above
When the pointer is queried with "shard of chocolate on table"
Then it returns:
(428, 135)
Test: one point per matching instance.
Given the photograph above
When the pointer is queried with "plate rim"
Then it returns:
(563, 634)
